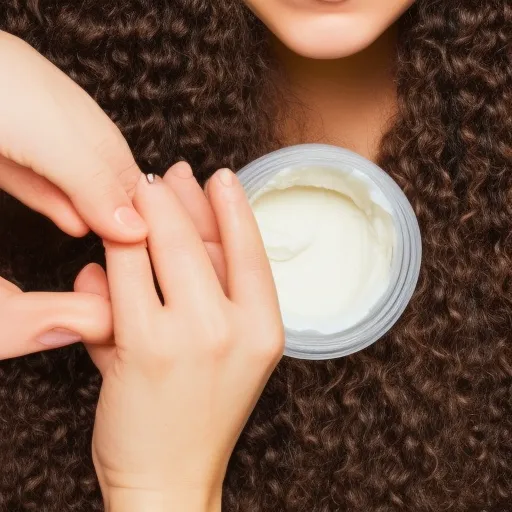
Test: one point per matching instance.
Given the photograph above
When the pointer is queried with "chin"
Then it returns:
(327, 39)
(328, 29)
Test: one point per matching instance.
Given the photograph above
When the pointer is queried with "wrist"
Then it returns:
(141, 500)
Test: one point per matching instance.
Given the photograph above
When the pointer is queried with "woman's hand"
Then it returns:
(31, 322)
(62, 156)
(184, 376)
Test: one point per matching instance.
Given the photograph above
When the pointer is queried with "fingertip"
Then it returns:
(180, 170)
(125, 226)
(67, 219)
(143, 192)
(131, 226)
(226, 177)
(86, 314)
(92, 279)
(225, 185)
(75, 227)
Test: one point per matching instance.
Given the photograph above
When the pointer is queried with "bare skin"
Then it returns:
(342, 107)
(345, 102)
(336, 57)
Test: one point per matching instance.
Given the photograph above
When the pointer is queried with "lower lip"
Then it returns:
(318, 4)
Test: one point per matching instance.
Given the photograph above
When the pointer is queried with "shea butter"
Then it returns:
(329, 237)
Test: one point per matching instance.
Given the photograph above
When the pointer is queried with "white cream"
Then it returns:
(329, 237)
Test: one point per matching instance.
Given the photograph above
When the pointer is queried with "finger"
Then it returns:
(186, 188)
(62, 134)
(93, 183)
(36, 321)
(181, 179)
(180, 260)
(132, 291)
(42, 196)
(93, 279)
(249, 275)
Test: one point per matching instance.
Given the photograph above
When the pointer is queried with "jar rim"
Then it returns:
(406, 258)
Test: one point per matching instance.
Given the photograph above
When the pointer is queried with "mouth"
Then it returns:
(319, 4)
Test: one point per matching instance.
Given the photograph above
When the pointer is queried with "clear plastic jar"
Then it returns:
(406, 254)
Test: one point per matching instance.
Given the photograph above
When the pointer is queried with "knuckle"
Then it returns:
(113, 149)
(129, 176)
(128, 263)
(127, 171)
(95, 307)
(110, 143)
(100, 179)
(159, 354)
(157, 367)
(218, 340)
(177, 241)
(156, 354)
(99, 309)
(255, 262)
(178, 248)
(172, 241)
(269, 348)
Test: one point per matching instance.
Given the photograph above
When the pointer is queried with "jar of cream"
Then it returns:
(343, 243)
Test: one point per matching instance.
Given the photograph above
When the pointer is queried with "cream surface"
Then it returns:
(329, 236)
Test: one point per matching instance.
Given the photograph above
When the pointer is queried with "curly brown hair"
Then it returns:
(420, 421)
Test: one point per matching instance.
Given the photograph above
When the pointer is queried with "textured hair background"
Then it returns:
(422, 420)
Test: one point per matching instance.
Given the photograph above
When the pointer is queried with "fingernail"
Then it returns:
(130, 218)
(226, 177)
(181, 170)
(59, 337)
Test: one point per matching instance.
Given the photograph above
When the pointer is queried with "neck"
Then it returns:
(346, 102)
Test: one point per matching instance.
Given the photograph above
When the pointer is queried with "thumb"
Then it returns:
(99, 190)
(36, 321)
(40, 195)
(52, 126)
